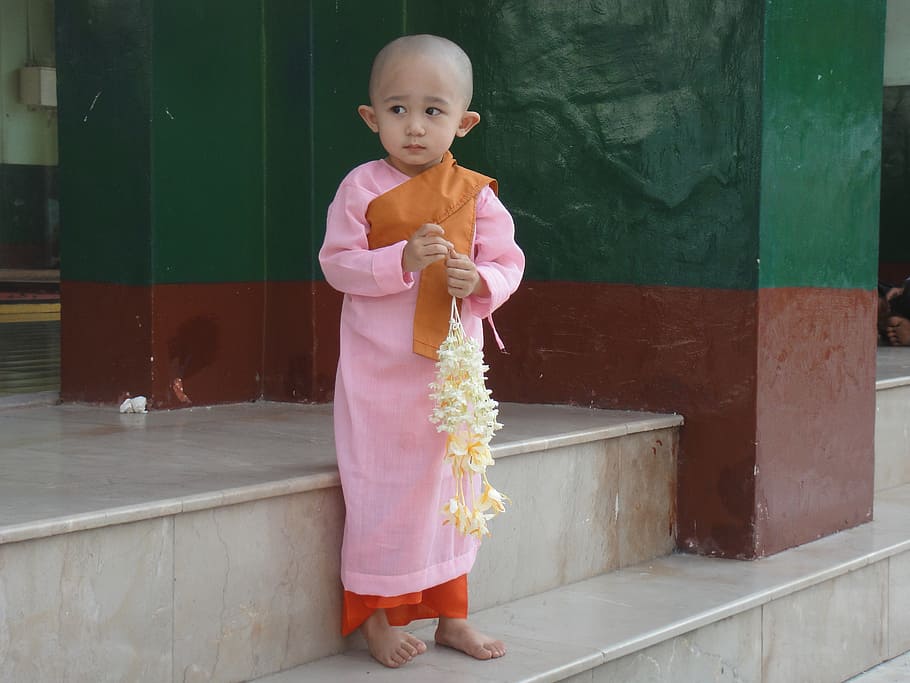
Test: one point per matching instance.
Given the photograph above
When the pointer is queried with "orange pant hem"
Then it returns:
(449, 599)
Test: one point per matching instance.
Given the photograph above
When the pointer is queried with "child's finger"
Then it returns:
(430, 229)
(460, 264)
(436, 239)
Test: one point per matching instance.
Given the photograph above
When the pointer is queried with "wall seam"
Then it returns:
(263, 68)
(311, 209)
(151, 275)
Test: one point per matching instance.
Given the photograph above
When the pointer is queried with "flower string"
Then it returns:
(464, 410)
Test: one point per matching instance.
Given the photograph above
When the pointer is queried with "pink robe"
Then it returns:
(390, 456)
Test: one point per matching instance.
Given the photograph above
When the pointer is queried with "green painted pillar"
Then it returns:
(163, 256)
(200, 145)
(696, 187)
(818, 234)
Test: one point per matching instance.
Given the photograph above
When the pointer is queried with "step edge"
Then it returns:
(324, 478)
(699, 619)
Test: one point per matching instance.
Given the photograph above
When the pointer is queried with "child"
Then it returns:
(403, 235)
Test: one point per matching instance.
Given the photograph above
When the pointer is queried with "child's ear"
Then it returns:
(368, 114)
(468, 120)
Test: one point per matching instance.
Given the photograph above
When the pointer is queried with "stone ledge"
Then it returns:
(573, 631)
(129, 468)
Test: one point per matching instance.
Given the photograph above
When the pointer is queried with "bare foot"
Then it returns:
(898, 331)
(459, 635)
(390, 646)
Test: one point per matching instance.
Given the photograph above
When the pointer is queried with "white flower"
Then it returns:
(491, 498)
(465, 410)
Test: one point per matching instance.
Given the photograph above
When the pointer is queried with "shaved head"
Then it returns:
(425, 46)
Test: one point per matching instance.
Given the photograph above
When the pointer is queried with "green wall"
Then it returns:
(894, 246)
(288, 141)
(197, 163)
(161, 136)
(104, 104)
(623, 155)
(634, 142)
(207, 141)
(625, 135)
(821, 144)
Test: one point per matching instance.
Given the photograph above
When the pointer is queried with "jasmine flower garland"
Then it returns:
(465, 411)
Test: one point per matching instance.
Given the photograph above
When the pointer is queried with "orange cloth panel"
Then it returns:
(449, 599)
(444, 194)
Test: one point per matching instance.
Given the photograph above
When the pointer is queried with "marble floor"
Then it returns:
(892, 369)
(71, 467)
(67, 467)
(896, 670)
(892, 366)
(677, 618)
(78, 462)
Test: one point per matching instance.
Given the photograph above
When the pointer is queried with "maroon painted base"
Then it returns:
(224, 342)
(118, 340)
(301, 341)
(699, 352)
(816, 414)
(105, 341)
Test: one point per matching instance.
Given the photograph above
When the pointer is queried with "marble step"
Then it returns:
(203, 545)
(892, 418)
(819, 613)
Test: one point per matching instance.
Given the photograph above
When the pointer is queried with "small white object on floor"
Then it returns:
(134, 405)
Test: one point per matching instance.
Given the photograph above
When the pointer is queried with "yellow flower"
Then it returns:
(479, 456)
(466, 412)
(491, 498)
(477, 523)
(457, 514)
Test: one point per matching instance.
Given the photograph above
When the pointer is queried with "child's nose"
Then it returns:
(415, 127)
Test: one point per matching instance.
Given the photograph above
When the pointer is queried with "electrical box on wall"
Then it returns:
(38, 86)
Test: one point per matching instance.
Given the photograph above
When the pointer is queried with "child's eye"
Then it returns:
(396, 109)
(433, 111)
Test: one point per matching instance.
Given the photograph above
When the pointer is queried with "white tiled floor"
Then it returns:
(895, 671)
(892, 365)
(65, 461)
(75, 464)
(577, 627)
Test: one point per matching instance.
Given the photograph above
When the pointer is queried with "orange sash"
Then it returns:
(444, 194)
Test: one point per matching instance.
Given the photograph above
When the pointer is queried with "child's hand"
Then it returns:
(463, 278)
(427, 245)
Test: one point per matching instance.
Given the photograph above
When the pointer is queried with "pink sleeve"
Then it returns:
(499, 260)
(346, 259)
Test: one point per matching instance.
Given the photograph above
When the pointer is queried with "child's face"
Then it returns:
(418, 107)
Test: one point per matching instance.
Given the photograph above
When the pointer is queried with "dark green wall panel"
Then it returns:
(207, 182)
(289, 237)
(103, 71)
(29, 224)
(895, 197)
(822, 103)
(346, 37)
(318, 57)
(625, 135)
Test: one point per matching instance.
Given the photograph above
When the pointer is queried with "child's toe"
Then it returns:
(419, 646)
